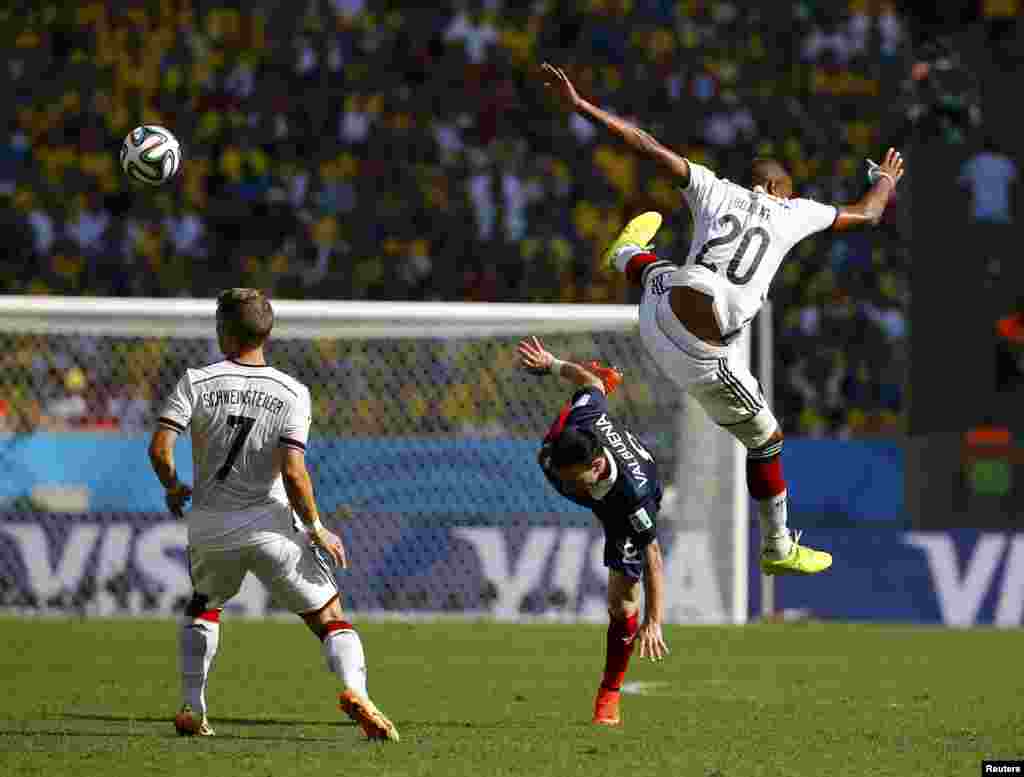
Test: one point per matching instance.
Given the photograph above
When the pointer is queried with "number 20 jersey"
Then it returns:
(740, 238)
(239, 416)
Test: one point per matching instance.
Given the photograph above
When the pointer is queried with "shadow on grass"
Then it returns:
(218, 719)
(28, 733)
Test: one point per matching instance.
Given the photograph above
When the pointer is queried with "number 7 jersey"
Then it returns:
(740, 238)
(240, 416)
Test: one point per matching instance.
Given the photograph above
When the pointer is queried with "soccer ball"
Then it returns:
(151, 154)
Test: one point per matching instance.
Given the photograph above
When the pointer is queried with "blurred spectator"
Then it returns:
(944, 94)
(841, 40)
(186, 233)
(40, 220)
(131, 406)
(472, 29)
(1010, 350)
(14, 155)
(730, 125)
(89, 226)
(989, 175)
(68, 408)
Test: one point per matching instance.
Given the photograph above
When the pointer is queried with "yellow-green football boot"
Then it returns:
(800, 561)
(638, 232)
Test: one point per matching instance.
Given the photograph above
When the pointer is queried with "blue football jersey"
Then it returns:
(631, 507)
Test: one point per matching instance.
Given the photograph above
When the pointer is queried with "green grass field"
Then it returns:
(84, 698)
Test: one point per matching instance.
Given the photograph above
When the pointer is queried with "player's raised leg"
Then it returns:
(624, 622)
(631, 252)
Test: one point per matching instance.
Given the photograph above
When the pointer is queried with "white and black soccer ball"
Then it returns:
(151, 154)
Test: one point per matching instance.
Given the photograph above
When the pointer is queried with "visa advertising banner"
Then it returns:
(135, 564)
(471, 527)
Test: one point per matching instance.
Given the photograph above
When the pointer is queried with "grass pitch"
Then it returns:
(83, 698)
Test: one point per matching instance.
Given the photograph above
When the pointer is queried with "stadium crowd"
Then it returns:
(369, 149)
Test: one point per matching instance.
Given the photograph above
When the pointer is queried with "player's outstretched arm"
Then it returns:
(161, 457)
(299, 486)
(533, 357)
(634, 137)
(869, 209)
(652, 643)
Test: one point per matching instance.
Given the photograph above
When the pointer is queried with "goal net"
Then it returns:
(422, 426)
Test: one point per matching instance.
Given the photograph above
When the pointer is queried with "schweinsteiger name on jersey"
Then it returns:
(240, 417)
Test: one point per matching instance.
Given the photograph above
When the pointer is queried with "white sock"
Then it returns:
(344, 653)
(624, 254)
(199, 639)
(775, 538)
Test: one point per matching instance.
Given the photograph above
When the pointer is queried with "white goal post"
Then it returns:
(423, 426)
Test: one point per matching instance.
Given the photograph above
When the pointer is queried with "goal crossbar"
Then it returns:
(301, 320)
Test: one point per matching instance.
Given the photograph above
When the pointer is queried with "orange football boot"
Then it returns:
(606, 708)
(370, 719)
(188, 724)
(610, 376)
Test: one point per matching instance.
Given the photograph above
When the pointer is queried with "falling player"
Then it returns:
(596, 462)
(691, 315)
(249, 424)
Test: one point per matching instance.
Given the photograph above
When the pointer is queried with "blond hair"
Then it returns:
(245, 314)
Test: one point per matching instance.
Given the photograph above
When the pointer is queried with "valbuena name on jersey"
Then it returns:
(250, 397)
(619, 446)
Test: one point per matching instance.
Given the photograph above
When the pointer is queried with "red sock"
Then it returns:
(618, 651)
(636, 264)
(764, 477)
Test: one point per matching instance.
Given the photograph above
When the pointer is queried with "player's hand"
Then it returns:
(652, 643)
(891, 167)
(533, 357)
(177, 497)
(330, 543)
(557, 81)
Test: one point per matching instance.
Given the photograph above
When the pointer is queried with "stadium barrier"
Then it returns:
(510, 569)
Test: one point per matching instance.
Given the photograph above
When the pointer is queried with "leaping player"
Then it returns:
(249, 424)
(591, 459)
(691, 315)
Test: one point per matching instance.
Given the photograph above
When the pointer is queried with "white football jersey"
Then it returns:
(740, 238)
(240, 416)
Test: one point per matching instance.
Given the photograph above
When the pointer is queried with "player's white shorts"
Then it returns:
(714, 375)
(296, 573)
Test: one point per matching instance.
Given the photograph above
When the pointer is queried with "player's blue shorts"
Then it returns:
(624, 552)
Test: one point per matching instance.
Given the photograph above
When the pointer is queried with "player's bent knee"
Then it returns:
(623, 603)
(757, 431)
(623, 611)
(324, 630)
(198, 608)
(329, 613)
(768, 451)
